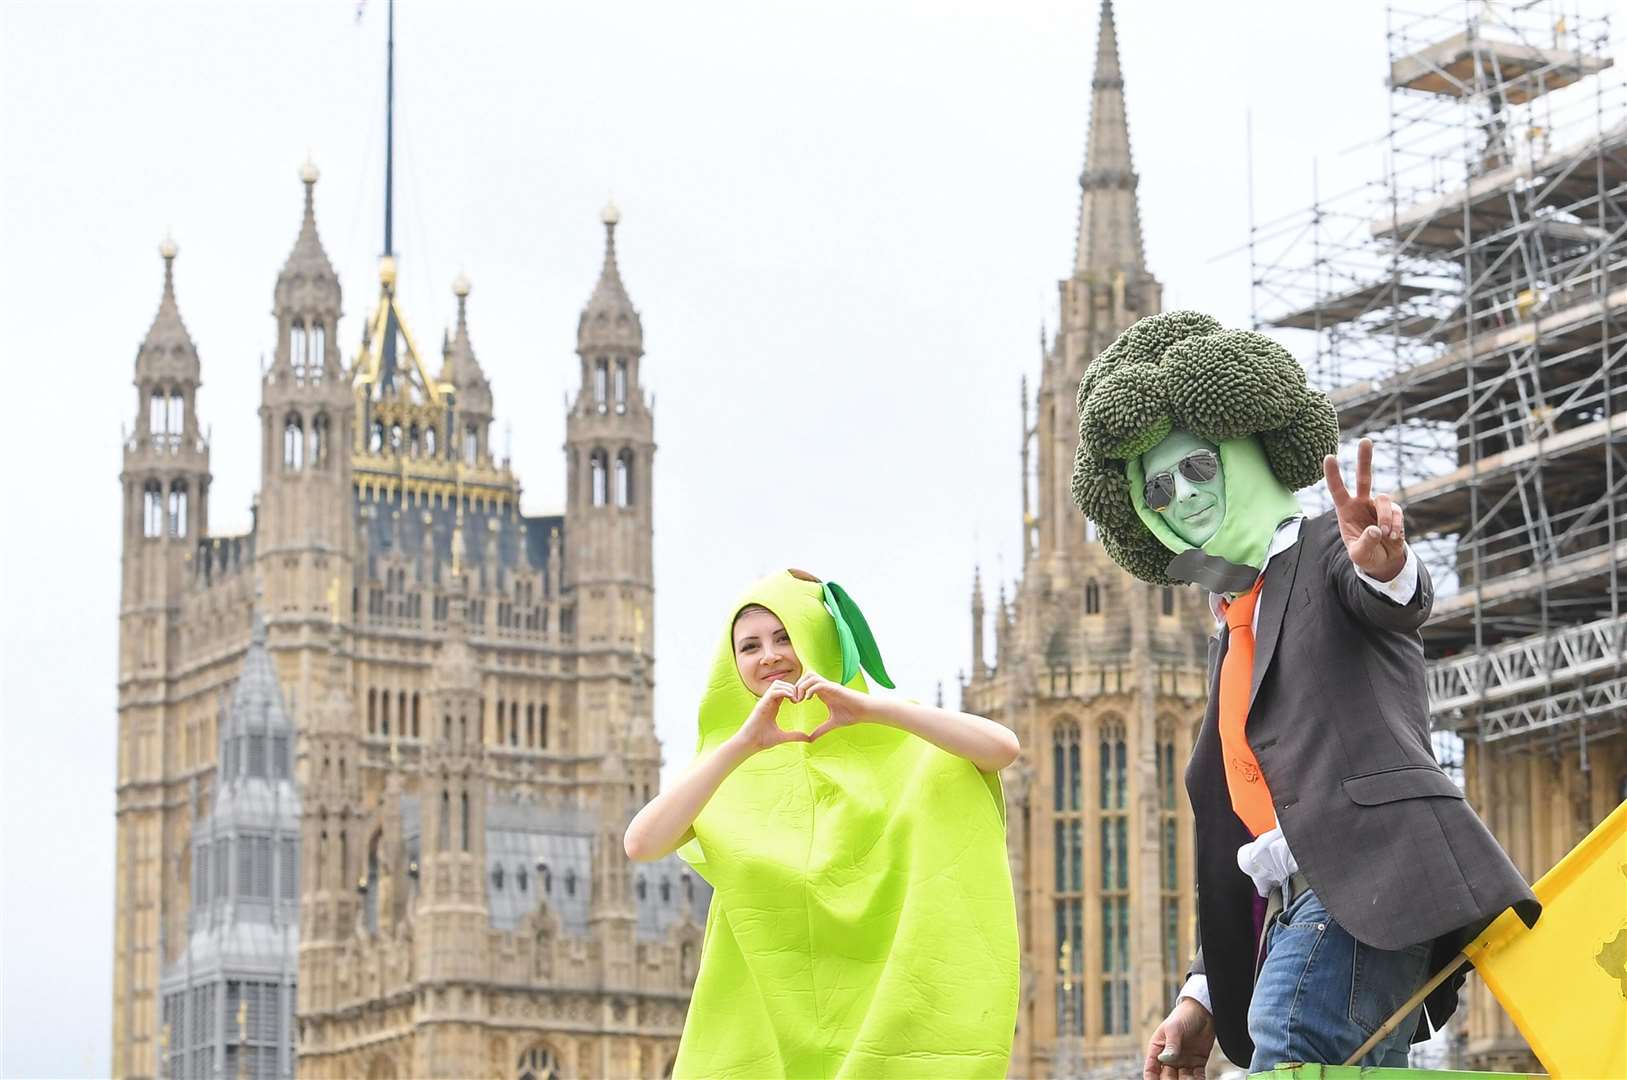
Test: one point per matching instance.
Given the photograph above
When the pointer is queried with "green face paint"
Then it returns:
(1256, 502)
(861, 883)
(1195, 507)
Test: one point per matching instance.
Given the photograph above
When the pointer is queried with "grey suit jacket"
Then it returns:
(1339, 723)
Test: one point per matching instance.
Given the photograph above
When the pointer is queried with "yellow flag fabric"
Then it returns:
(862, 922)
(1564, 981)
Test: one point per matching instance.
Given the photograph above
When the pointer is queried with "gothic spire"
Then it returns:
(1109, 216)
(167, 349)
(459, 365)
(610, 318)
(308, 259)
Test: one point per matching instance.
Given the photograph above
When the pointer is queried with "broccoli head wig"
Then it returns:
(1182, 371)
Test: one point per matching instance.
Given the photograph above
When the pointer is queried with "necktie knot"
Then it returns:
(1240, 612)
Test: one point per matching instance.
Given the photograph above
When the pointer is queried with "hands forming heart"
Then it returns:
(762, 730)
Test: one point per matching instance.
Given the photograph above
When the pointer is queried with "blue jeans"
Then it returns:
(1321, 993)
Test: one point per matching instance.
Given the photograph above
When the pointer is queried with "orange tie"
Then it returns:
(1251, 799)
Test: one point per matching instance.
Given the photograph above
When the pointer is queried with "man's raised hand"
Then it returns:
(1371, 525)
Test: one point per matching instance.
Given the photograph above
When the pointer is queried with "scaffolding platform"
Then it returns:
(1494, 201)
(1455, 67)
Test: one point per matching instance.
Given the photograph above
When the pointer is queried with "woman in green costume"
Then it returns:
(862, 922)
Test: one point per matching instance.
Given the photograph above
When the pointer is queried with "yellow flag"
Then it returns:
(1564, 982)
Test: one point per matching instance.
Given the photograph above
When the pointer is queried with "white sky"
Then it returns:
(843, 223)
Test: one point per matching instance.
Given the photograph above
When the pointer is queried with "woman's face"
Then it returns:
(762, 651)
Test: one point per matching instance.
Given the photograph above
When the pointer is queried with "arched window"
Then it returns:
(296, 349)
(375, 441)
(689, 888)
(601, 379)
(497, 877)
(514, 723)
(530, 726)
(1065, 765)
(152, 520)
(372, 711)
(293, 442)
(465, 819)
(157, 417)
(570, 883)
(621, 384)
(542, 726)
(537, 1063)
(415, 714)
(177, 509)
(1069, 857)
(384, 712)
(446, 818)
(547, 876)
(319, 440)
(175, 418)
(1169, 600)
(1115, 880)
(395, 437)
(640, 887)
(597, 465)
(1093, 597)
(624, 478)
(471, 445)
(429, 442)
(319, 352)
(666, 891)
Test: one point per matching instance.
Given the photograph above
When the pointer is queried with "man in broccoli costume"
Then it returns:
(1338, 866)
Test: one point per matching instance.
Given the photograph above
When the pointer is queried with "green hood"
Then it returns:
(1256, 503)
(862, 913)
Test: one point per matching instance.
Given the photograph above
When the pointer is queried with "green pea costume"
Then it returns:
(862, 922)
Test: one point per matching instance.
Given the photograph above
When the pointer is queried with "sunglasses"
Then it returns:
(1198, 466)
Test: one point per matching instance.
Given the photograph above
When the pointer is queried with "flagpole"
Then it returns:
(1410, 1004)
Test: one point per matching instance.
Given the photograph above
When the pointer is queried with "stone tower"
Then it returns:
(1100, 675)
(305, 509)
(452, 916)
(228, 1000)
(165, 480)
(609, 451)
(468, 694)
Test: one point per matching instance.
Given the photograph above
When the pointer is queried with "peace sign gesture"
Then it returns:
(1370, 525)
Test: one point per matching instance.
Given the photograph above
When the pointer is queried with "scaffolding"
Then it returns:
(1468, 312)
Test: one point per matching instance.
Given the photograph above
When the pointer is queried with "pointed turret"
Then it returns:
(609, 320)
(167, 351)
(307, 296)
(306, 416)
(1109, 216)
(462, 371)
(978, 667)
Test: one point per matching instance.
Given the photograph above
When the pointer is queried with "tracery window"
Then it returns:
(1115, 880)
(1068, 833)
(597, 467)
(537, 1063)
(624, 478)
(293, 442)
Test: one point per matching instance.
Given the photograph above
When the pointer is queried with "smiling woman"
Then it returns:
(879, 823)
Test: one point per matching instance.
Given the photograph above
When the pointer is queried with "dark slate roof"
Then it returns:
(382, 530)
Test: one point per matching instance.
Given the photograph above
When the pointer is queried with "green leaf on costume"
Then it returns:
(858, 643)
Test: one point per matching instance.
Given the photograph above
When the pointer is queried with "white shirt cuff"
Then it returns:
(1401, 587)
(1197, 988)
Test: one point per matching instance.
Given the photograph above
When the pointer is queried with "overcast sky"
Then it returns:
(843, 224)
